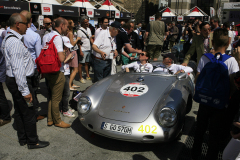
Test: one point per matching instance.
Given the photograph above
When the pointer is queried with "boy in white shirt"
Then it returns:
(140, 66)
(168, 66)
(66, 91)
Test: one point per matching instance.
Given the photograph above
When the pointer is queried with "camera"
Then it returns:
(79, 42)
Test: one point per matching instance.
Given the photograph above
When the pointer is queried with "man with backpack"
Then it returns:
(55, 79)
(212, 91)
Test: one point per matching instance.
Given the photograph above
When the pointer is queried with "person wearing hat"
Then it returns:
(66, 91)
(140, 66)
(104, 50)
(169, 66)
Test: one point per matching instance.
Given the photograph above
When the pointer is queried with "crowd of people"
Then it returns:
(102, 49)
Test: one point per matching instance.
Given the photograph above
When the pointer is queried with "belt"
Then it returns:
(102, 59)
(27, 77)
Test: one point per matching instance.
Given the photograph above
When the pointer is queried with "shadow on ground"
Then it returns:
(117, 145)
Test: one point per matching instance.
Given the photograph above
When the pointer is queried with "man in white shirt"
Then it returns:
(104, 51)
(140, 66)
(56, 80)
(105, 23)
(168, 66)
(210, 116)
(85, 52)
(226, 25)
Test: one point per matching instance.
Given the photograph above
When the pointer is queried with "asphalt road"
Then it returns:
(79, 143)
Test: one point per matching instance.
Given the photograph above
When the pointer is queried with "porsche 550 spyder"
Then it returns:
(137, 107)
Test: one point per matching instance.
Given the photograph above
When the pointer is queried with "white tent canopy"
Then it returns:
(167, 12)
(46, 1)
(107, 5)
(195, 12)
(83, 3)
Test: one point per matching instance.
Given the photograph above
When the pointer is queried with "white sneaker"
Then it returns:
(72, 110)
(68, 114)
(82, 80)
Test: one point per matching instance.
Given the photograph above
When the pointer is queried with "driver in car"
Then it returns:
(169, 66)
(140, 66)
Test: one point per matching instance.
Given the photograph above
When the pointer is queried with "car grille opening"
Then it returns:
(90, 126)
(148, 137)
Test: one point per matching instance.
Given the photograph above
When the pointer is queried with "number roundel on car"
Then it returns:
(134, 89)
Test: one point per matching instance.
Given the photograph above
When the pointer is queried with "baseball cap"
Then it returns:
(66, 42)
(117, 25)
(169, 55)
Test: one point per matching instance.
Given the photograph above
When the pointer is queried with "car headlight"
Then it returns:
(167, 117)
(84, 104)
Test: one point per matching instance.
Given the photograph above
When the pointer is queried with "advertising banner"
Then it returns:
(117, 14)
(7, 7)
(235, 5)
(35, 8)
(212, 12)
(112, 14)
(186, 18)
(234, 16)
(151, 18)
(101, 13)
(40, 20)
(90, 12)
(46, 9)
(83, 12)
(125, 15)
(166, 19)
(180, 18)
(174, 19)
(205, 18)
(65, 10)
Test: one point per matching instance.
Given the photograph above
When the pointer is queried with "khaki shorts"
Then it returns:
(154, 51)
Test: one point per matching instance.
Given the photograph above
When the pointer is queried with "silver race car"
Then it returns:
(138, 107)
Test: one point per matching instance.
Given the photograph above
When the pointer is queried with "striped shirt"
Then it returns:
(19, 63)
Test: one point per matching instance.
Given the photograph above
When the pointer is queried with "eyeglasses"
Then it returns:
(48, 23)
(23, 23)
(142, 54)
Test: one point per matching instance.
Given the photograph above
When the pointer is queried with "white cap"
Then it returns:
(66, 42)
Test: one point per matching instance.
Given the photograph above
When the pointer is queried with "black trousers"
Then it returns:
(215, 119)
(35, 85)
(24, 116)
(4, 107)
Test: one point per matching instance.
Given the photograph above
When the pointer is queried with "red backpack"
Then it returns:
(48, 61)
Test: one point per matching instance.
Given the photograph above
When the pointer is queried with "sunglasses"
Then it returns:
(142, 54)
(24, 23)
(48, 23)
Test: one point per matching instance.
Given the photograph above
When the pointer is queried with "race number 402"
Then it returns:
(134, 89)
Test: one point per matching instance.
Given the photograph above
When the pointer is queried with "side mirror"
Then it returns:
(181, 75)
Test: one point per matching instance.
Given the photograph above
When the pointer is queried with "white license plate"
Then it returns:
(116, 128)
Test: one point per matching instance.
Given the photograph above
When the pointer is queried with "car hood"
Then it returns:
(116, 106)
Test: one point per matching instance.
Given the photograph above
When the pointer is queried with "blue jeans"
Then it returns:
(102, 69)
